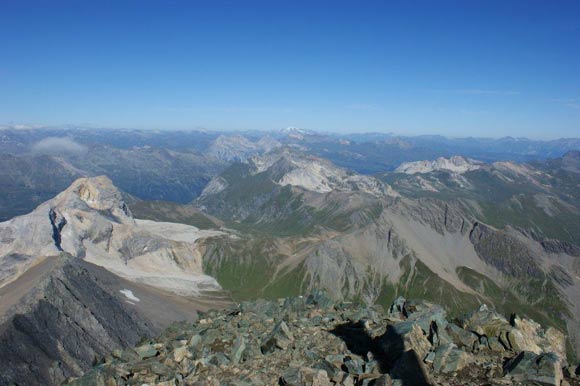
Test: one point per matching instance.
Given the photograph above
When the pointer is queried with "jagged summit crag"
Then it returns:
(315, 341)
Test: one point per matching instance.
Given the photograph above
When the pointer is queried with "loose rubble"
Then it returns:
(314, 341)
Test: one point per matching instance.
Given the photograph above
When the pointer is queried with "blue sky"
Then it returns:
(457, 68)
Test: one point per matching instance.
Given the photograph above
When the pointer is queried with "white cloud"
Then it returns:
(58, 145)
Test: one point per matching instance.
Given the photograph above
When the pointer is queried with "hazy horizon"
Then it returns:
(281, 129)
(483, 69)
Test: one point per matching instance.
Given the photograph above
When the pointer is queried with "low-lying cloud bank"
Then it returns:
(58, 146)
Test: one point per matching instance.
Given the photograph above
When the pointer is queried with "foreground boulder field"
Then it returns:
(315, 341)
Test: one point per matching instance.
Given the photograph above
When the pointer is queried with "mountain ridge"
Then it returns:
(355, 244)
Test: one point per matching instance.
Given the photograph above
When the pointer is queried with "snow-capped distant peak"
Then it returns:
(455, 164)
(296, 132)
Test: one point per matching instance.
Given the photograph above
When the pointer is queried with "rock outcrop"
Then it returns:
(455, 164)
(313, 341)
(62, 314)
(90, 220)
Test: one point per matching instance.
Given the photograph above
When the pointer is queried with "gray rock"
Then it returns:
(494, 344)
(238, 349)
(295, 305)
(569, 372)
(429, 358)
(529, 367)
(354, 365)
(397, 309)
(448, 358)
(344, 352)
(260, 307)
(304, 376)
(461, 337)
(527, 335)
(146, 351)
(410, 370)
(431, 318)
(402, 337)
(320, 298)
(195, 341)
(485, 322)
(330, 369)
(217, 359)
(281, 337)
(384, 380)
(426, 315)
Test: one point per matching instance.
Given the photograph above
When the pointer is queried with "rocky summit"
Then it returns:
(315, 341)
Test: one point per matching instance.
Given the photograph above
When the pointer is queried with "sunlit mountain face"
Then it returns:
(273, 215)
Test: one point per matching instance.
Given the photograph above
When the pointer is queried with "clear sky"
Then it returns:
(457, 68)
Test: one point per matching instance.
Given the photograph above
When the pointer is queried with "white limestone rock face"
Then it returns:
(455, 164)
(216, 185)
(316, 174)
(91, 221)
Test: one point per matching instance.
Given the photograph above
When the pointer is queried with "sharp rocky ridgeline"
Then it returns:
(315, 341)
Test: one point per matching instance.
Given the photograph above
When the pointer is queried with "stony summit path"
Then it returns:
(314, 341)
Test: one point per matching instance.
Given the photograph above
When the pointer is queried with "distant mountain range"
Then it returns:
(502, 233)
(36, 164)
(116, 237)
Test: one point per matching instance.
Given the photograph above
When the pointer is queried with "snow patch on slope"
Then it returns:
(129, 295)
